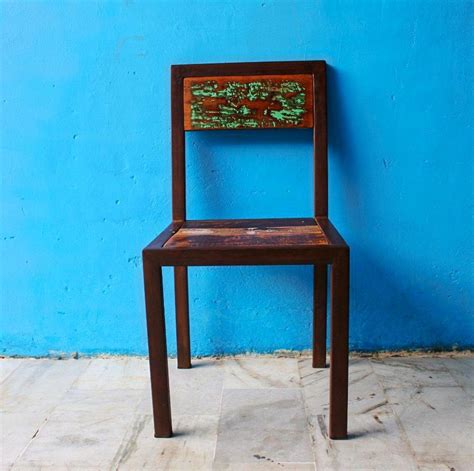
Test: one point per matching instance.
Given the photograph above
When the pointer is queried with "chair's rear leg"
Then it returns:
(182, 316)
(320, 315)
(155, 315)
(339, 362)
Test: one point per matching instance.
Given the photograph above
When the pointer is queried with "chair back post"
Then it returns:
(320, 140)
(178, 192)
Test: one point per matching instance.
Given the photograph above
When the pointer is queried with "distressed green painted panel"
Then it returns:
(248, 102)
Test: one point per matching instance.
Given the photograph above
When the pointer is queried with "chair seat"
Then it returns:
(246, 242)
(247, 233)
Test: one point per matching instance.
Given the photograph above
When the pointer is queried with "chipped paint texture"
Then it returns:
(242, 102)
(85, 167)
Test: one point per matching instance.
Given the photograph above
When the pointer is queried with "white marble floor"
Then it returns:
(241, 413)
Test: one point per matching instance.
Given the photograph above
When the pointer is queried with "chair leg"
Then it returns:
(319, 315)
(182, 316)
(339, 364)
(155, 315)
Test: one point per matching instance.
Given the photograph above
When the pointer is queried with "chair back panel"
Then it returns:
(248, 102)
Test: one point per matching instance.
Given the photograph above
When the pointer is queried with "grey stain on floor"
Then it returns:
(411, 413)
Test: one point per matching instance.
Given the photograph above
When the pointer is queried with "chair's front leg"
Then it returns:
(339, 364)
(319, 315)
(182, 316)
(155, 315)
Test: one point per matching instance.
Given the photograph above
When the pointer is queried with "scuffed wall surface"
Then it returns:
(85, 168)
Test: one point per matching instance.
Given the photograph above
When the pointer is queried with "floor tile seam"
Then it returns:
(461, 385)
(219, 415)
(30, 441)
(126, 438)
(10, 373)
(401, 428)
(309, 427)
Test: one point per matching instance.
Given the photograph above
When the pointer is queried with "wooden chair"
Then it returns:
(249, 96)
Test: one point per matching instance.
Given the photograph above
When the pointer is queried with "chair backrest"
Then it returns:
(250, 95)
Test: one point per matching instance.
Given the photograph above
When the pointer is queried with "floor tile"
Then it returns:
(264, 465)
(191, 447)
(412, 372)
(263, 424)
(462, 369)
(446, 465)
(372, 425)
(257, 373)
(17, 429)
(194, 391)
(115, 373)
(7, 365)
(39, 385)
(52, 468)
(76, 439)
(108, 403)
(435, 433)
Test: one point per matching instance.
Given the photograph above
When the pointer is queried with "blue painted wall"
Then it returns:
(85, 168)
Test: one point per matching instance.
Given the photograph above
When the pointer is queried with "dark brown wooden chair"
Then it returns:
(249, 96)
